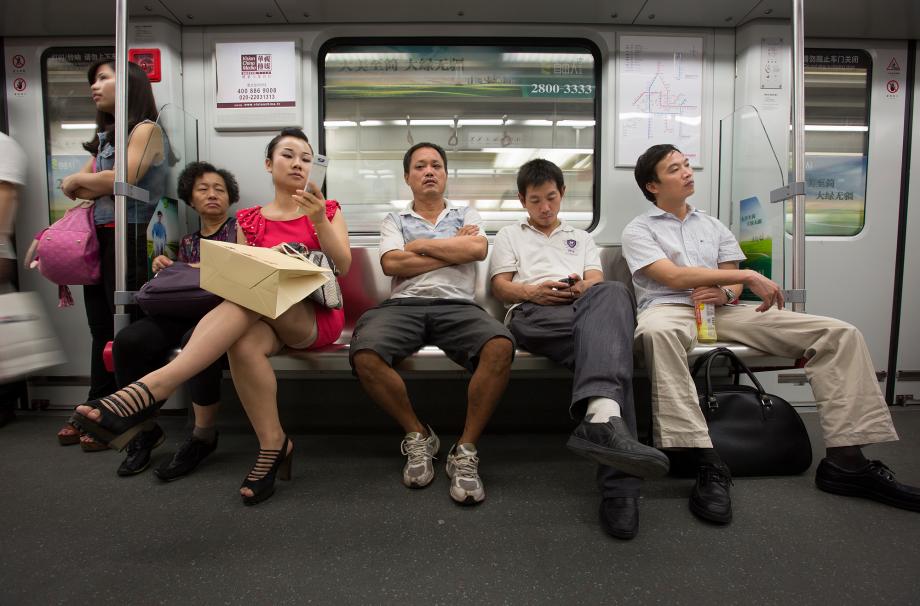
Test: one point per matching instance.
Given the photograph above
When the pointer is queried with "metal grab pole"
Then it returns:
(121, 151)
(798, 149)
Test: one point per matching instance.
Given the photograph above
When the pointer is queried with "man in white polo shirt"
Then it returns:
(430, 249)
(549, 273)
(680, 256)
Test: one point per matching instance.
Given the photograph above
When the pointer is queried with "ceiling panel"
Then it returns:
(891, 19)
(504, 11)
(769, 9)
(138, 9)
(238, 12)
(711, 13)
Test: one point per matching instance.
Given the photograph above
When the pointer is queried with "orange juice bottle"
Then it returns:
(706, 322)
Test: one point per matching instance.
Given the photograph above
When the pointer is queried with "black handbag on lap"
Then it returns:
(755, 433)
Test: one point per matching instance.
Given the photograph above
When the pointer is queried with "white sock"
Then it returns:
(602, 409)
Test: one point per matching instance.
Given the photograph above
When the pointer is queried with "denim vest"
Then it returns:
(154, 181)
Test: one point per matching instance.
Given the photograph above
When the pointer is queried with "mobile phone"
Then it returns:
(318, 171)
(568, 280)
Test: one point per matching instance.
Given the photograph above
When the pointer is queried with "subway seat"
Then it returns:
(365, 286)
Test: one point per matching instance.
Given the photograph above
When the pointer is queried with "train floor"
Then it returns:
(345, 531)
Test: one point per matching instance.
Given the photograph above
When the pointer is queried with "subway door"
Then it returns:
(907, 386)
(854, 122)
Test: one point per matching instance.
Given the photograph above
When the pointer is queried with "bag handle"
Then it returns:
(738, 367)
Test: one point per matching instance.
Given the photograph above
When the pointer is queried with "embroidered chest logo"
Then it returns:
(570, 246)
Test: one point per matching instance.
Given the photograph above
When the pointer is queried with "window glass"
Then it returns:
(70, 116)
(836, 141)
(491, 107)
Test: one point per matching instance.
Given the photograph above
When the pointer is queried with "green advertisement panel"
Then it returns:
(354, 72)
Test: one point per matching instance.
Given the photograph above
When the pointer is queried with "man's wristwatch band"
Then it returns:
(730, 296)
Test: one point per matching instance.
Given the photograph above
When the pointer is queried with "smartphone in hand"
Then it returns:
(318, 171)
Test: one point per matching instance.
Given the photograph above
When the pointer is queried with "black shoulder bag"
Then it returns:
(755, 433)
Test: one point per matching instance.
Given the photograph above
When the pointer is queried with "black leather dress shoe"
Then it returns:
(873, 481)
(711, 499)
(139, 450)
(612, 444)
(192, 452)
(620, 517)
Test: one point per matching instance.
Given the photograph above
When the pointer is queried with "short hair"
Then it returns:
(194, 170)
(286, 132)
(537, 172)
(407, 159)
(645, 167)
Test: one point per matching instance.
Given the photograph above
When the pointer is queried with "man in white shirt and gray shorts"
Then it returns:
(430, 249)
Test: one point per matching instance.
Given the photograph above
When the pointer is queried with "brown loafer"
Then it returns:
(68, 435)
(89, 444)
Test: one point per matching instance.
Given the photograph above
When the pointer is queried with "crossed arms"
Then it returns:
(424, 255)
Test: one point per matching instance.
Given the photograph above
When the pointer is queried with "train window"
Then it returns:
(70, 116)
(837, 84)
(492, 107)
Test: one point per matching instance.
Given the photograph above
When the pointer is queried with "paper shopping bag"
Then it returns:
(261, 279)
(27, 340)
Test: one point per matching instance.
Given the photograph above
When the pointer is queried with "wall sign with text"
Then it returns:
(258, 85)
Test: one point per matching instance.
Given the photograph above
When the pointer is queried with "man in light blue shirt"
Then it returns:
(680, 256)
(430, 249)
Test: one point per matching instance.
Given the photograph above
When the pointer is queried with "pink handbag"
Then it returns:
(67, 252)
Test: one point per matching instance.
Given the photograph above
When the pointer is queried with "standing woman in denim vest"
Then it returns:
(147, 168)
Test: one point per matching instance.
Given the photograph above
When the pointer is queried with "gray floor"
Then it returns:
(346, 531)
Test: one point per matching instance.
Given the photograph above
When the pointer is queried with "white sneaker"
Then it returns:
(419, 472)
(463, 470)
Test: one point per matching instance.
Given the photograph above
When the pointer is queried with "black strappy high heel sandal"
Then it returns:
(261, 478)
(124, 414)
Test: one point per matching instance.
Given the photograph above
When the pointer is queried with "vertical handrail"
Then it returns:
(121, 147)
(798, 149)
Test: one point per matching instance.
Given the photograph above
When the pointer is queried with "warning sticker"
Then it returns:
(893, 87)
(893, 66)
(19, 85)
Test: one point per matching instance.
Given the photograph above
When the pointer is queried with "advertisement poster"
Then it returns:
(461, 72)
(835, 195)
(256, 74)
(163, 231)
(60, 166)
(755, 241)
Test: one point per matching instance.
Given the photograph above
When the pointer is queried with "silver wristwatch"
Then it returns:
(730, 296)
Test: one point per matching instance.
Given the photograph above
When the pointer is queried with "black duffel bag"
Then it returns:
(755, 433)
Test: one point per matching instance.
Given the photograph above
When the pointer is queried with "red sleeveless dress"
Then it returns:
(266, 233)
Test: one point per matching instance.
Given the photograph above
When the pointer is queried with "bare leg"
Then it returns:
(387, 389)
(256, 385)
(213, 336)
(486, 387)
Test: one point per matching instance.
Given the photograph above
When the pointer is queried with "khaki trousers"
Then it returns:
(850, 404)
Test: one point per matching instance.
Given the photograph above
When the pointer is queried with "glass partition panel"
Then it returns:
(160, 221)
(492, 107)
(751, 169)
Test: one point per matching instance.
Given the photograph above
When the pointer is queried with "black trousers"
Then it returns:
(99, 300)
(592, 337)
(147, 344)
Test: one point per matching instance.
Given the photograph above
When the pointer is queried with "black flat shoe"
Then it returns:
(139, 450)
(192, 452)
(620, 517)
(711, 499)
(612, 444)
(873, 481)
(124, 414)
(261, 478)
